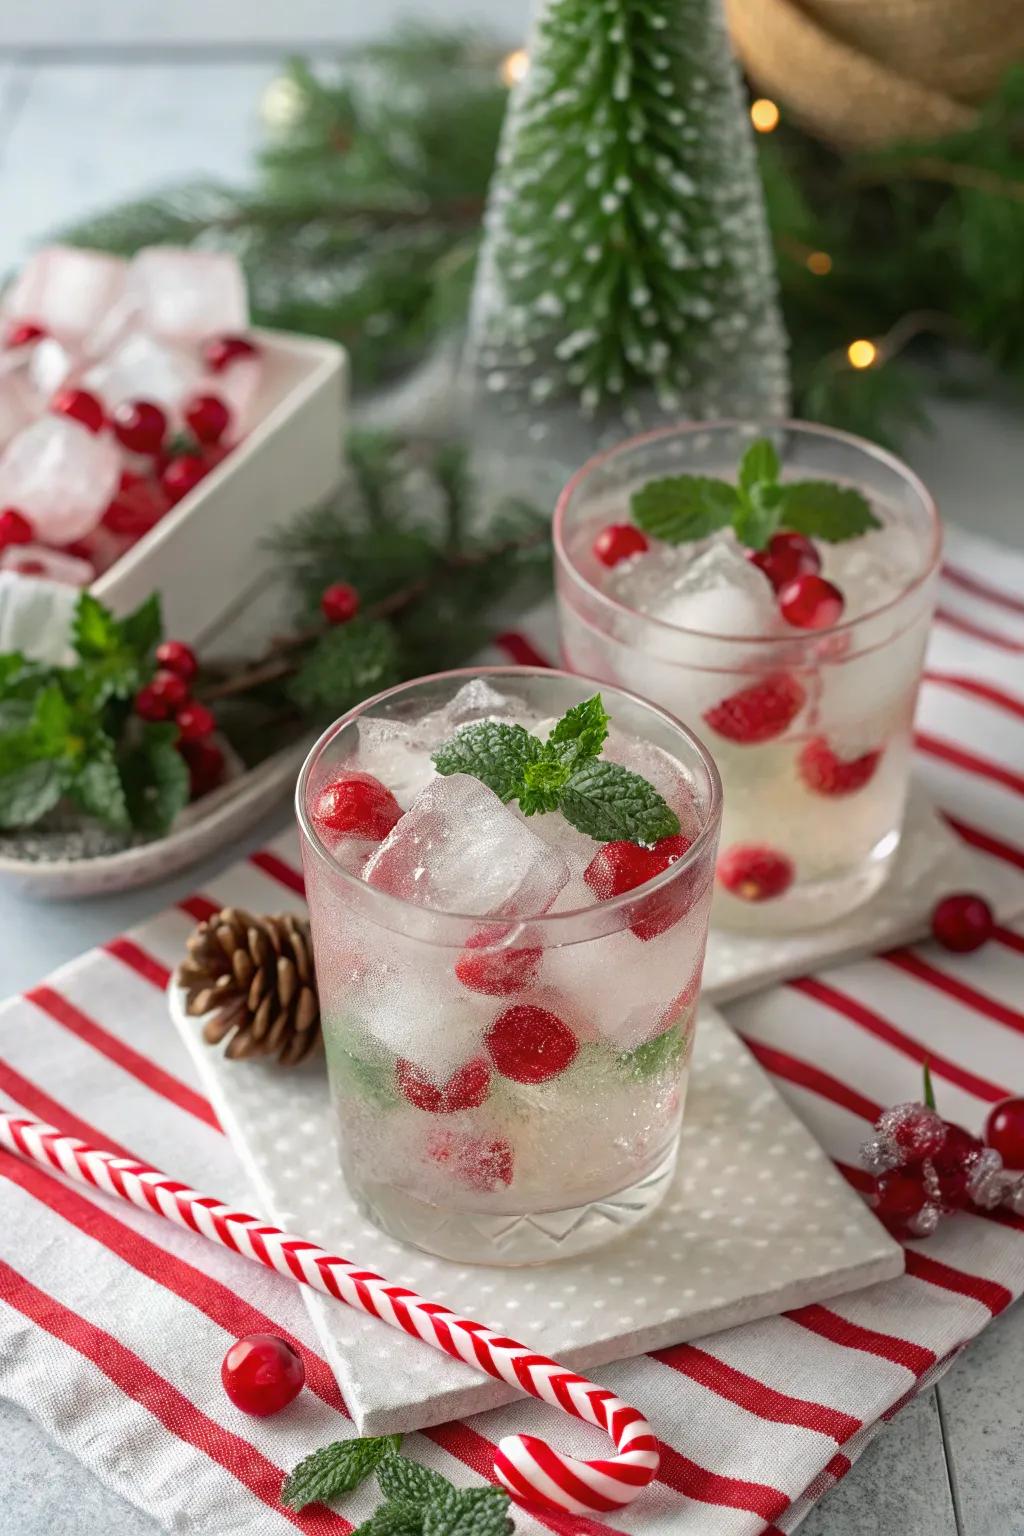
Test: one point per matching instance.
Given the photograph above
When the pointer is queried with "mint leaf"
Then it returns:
(143, 630)
(97, 789)
(541, 788)
(347, 665)
(95, 632)
(757, 516)
(821, 510)
(28, 793)
(336, 1469)
(759, 465)
(581, 732)
(683, 507)
(610, 804)
(155, 780)
(468, 1512)
(493, 752)
(51, 723)
(655, 1055)
(395, 1519)
(400, 1478)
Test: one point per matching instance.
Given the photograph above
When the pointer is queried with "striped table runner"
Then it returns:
(112, 1324)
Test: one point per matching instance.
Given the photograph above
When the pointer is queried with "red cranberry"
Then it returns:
(182, 475)
(618, 867)
(1004, 1132)
(754, 873)
(81, 406)
(811, 602)
(207, 417)
(194, 721)
(963, 922)
(617, 542)
(531, 1044)
(954, 1163)
(140, 426)
(473, 1160)
(465, 1089)
(900, 1194)
(14, 528)
(485, 967)
(177, 657)
(356, 805)
(160, 699)
(206, 764)
(22, 332)
(221, 351)
(339, 603)
(136, 508)
(788, 556)
(262, 1374)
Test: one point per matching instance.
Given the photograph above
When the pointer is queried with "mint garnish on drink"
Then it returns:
(680, 508)
(564, 773)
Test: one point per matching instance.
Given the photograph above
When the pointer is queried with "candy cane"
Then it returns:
(526, 1466)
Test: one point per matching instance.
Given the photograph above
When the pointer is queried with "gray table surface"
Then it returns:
(81, 126)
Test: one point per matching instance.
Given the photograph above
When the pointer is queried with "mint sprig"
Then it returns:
(681, 508)
(564, 773)
(336, 1469)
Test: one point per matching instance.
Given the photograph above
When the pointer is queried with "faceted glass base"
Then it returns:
(512, 1238)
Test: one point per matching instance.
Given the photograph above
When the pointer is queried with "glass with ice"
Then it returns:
(772, 586)
(508, 1000)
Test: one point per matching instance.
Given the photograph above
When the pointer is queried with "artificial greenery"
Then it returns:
(362, 224)
(680, 508)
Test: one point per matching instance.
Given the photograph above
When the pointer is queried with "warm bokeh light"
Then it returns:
(514, 67)
(861, 353)
(282, 103)
(764, 115)
(820, 263)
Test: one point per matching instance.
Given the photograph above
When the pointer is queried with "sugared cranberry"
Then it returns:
(182, 475)
(954, 1163)
(617, 542)
(531, 1044)
(788, 556)
(963, 922)
(194, 721)
(811, 602)
(826, 773)
(465, 1089)
(207, 417)
(1004, 1132)
(754, 873)
(486, 966)
(221, 351)
(140, 426)
(14, 528)
(339, 602)
(618, 867)
(262, 1374)
(22, 332)
(81, 406)
(759, 712)
(206, 766)
(916, 1129)
(177, 657)
(356, 805)
(900, 1194)
(475, 1161)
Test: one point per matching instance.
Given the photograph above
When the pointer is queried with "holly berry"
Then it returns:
(194, 721)
(759, 713)
(207, 417)
(14, 528)
(475, 1161)
(339, 603)
(136, 508)
(754, 872)
(22, 332)
(811, 602)
(963, 922)
(465, 1089)
(206, 765)
(140, 426)
(899, 1195)
(356, 805)
(497, 972)
(81, 406)
(177, 657)
(530, 1044)
(916, 1129)
(221, 351)
(621, 866)
(262, 1374)
(825, 773)
(181, 475)
(1004, 1131)
(954, 1163)
(617, 542)
(159, 699)
(788, 556)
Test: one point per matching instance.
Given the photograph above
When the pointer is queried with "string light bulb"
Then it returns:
(819, 262)
(514, 67)
(282, 104)
(862, 353)
(764, 115)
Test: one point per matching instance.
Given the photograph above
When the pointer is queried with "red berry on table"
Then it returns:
(618, 867)
(954, 1163)
(618, 542)
(787, 556)
(356, 805)
(159, 699)
(206, 764)
(759, 713)
(916, 1129)
(962, 922)
(475, 1161)
(824, 772)
(465, 1089)
(177, 657)
(339, 603)
(754, 873)
(140, 426)
(811, 602)
(182, 475)
(530, 1044)
(22, 332)
(899, 1194)
(486, 967)
(221, 351)
(1004, 1132)
(194, 721)
(207, 417)
(81, 406)
(262, 1374)
(14, 528)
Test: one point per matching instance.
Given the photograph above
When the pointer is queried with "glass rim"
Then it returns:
(731, 423)
(707, 836)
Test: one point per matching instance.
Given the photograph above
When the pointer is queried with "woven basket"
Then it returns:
(864, 73)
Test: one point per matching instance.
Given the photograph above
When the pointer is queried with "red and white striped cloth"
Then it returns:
(113, 1324)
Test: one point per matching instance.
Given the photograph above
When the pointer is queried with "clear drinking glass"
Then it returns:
(816, 771)
(447, 1140)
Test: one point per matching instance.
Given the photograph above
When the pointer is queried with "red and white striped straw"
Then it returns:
(526, 1466)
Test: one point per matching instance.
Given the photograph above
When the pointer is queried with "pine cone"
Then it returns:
(254, 977)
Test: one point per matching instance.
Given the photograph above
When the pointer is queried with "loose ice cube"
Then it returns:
(17, 406)
(49, 365)
(66, 291)
(46, 564)
(392, 751)
(458, 849)
(188, 295)
(141, 368)
(720, 593)
(60, 475)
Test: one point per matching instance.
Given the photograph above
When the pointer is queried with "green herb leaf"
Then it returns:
(821, 510)
(395, 1519)
(351, 662)
(581, 732)
(609, 803)
(757, 517)
(468, 1512)
(155, 779)
(495, 753)
(759, 465)
(654, 1056)
(95, 632)
(336, 1469)
(400, 1478)
(51, 723)
(96, 787)
(143, 629)
(929, 1086)
(28, 793)
(541, 788)
(683, 507)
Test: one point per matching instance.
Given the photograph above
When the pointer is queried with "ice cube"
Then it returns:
(423, 1016)
(239, 388)
(458, 849)
(17, 404)
(393, 751)
(720, 593)
(873, 569)
(627, 989)
(35, 618)
(49, 365)
(46, 564)
(142, 368)
(479, 700)
(60, 475)
(187, 295)
(65, 290)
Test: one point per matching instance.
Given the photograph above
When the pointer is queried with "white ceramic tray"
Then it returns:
(757, 1221)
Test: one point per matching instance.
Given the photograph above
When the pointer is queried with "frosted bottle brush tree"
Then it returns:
(627, 270)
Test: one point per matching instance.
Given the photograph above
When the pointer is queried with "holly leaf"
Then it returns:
(683, 507)
(821, 510)
(757, 516)
(581, 732)
(97, 789)
(468, 1512)
(610, 804)
(336, 1469)
(759, 465)
(27, 793)
(95, 633)
(398, 1477)
(155, 779)
(143, 630)
(495, 753)
(350, 662)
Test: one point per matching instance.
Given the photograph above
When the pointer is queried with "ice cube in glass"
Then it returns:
(186, 295)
